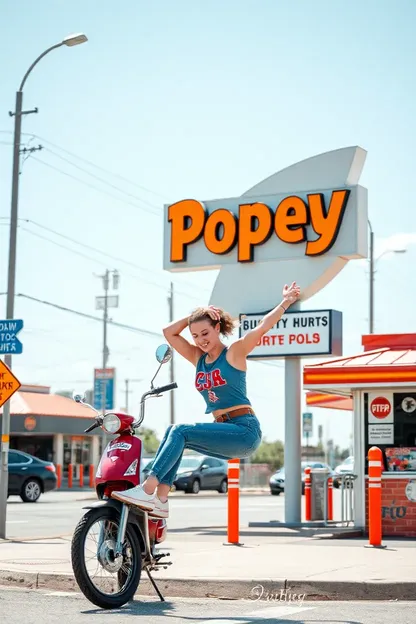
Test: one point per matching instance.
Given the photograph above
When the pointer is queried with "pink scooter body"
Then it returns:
(119, 469)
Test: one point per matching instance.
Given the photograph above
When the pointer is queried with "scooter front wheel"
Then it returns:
(105, 580)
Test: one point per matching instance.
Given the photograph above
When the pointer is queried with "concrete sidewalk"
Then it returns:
(273, 559)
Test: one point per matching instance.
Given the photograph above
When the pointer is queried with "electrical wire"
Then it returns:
(117, 188)
(96, 188)
(89, 162)
(138, 330)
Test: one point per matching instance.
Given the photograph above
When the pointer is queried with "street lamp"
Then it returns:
(373, 262)
(69, 41)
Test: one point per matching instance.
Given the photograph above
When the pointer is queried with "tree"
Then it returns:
(149, 439)
(271, 453)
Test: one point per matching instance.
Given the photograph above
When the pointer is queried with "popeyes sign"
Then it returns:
(263, 229)
(312, 215)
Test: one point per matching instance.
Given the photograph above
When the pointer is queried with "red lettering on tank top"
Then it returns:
(198, 381)
(217, 379)
(206, 381)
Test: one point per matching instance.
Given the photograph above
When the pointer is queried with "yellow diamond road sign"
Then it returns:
(9, 384)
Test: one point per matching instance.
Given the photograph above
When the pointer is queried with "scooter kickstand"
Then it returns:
(154, 584)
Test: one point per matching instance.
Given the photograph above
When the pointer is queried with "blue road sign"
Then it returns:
(104, 387)
(9, 342)
(307, 423)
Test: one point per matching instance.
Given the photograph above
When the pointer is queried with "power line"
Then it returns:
(96, 188)
(139, 330)
(116, 175)
(117, 188)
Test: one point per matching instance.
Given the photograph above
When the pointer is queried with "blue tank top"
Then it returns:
(221, 384)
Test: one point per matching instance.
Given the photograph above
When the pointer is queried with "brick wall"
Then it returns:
(398, 512)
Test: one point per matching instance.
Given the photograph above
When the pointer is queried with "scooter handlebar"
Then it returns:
(170, 386)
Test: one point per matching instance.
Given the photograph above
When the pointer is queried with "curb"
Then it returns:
(280, 590)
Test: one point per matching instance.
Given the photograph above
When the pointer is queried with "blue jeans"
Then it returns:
(234, 438)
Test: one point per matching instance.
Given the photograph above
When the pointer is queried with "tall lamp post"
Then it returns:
(70, 41)
(373, 262)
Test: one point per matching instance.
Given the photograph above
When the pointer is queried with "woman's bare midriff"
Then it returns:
(228, 409)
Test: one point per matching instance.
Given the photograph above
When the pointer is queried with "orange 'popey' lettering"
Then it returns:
(222, 230)
(188, 219)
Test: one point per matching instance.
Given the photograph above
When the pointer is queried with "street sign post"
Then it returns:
(9, 342)
(9, 384)
(104, 382)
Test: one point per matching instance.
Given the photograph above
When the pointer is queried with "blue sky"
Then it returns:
(193, 99)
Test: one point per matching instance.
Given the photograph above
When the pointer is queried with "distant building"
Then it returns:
(51, 427)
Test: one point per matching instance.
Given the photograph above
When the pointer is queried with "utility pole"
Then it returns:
(18, 113)
(371, 282)
(103, 303)
(127, 391)
(172, 365)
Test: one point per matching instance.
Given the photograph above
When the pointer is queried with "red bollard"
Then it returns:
(308, 499)
(375, 468)
(81, 475)
(233, 500)
(70, 475)
(58, 475)
(92, 476)
(330, 504)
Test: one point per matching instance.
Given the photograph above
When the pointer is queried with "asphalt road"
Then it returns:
(57, 513)
(34, 606)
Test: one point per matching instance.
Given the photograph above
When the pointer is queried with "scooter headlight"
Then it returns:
(111, 423)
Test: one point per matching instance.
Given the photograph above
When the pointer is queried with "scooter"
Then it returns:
(126, 537)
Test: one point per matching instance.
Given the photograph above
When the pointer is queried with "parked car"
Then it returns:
(200, 472)
(29, 477)
(277, 480)
(346, 467)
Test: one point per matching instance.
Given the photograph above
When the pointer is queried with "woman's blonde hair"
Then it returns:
(227, 323)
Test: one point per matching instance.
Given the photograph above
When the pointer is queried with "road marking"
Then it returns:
(261, 614)
(17, 521)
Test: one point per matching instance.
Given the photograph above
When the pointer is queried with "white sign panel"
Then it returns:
(380, 407)
(381, 434)
(303, 333)
(112, 302)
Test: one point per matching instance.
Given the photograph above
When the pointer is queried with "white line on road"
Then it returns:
(17, 521)
(261, 614)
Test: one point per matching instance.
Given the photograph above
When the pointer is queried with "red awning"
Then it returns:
(329, 401)
(391, 362)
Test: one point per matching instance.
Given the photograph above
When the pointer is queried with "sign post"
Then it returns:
(9, 384)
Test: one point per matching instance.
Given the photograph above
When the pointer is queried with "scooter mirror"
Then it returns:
(163, 353)
(78, 398)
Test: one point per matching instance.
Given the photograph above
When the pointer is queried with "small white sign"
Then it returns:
(381, 434)
(317, 332)
(112, 302)
(380, 407)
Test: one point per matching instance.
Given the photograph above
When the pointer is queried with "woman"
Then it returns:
(221, 379)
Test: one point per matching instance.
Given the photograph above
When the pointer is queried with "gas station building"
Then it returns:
(379, 386)
(51, 427)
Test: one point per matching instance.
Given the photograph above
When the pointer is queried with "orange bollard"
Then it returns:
(329, 499)
(70, 474)
(92, 475)
(81, 475)
(308, 498)
(233, 500)
(375, 467)
(58, 475)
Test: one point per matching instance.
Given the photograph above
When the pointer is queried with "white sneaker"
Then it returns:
(136, 496)
(161, 510)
